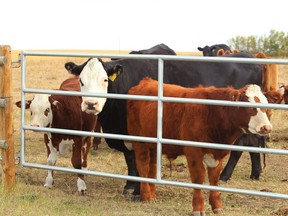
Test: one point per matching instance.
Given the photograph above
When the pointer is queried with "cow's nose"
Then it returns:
(91, 105)
(266, 129)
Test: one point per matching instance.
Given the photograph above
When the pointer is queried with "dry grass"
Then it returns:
(104, 197)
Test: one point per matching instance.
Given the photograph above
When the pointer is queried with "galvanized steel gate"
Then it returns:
(159, 140)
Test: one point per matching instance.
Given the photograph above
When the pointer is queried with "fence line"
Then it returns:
(159, 139)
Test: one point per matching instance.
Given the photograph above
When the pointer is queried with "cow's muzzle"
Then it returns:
(91, 105)
(266, 129)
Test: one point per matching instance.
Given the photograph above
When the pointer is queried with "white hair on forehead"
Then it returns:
(255, 91)
(94, 65)
(40, 100)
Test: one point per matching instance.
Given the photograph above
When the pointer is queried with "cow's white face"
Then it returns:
(93, 79)
(41, 113)
(259, 123)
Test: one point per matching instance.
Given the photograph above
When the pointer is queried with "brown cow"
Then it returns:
(195, 122)
(60, 111)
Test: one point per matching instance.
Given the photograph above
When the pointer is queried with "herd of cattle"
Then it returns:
(229, 81)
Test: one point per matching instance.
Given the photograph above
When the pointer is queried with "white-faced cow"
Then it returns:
(195, 122)
(64, 112)
(184, 73)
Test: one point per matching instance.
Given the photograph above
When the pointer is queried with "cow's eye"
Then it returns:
(46, 112)
(81, 83)
(105, 80)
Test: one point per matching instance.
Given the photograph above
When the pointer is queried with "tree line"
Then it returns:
(274, 44)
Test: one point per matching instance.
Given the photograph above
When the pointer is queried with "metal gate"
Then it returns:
(160, 99)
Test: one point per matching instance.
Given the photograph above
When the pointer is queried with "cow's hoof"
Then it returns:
(255, 178)
(199, 213)
(222, 182)
(136, 198)
(127, 192)
(83, 192)
(48, 186)
(218, 211)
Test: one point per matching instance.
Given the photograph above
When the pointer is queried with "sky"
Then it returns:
(183, 25)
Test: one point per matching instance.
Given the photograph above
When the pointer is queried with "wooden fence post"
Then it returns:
(6, 120)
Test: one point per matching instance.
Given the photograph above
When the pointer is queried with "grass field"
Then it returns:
(104, 194)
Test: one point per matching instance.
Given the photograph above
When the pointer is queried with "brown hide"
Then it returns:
(195, 122)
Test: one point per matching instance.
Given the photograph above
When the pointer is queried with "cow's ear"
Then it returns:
(220, 52)
(236, 96)
(117, 70)
(200, 48)
(56, 106)
(260, 55)
(27, 104)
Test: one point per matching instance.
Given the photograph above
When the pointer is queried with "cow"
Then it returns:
(184, 73)
(195, 122)
(64, 112)
(269, 84)
(213, 50)
(159, 49)
(72, 84)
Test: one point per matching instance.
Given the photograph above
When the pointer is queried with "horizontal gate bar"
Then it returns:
(164, 57)
(155, 140)
(163, 182)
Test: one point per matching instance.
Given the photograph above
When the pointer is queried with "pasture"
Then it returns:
(104, 194)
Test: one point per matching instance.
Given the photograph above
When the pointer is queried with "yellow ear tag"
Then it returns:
(113, 76)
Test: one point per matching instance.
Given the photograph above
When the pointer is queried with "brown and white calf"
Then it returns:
(195, 122)
(64, 112)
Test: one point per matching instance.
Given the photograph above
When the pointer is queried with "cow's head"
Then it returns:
(93, 79)
(258, 122)
(273, 96)
(41, 110)
(284, 90)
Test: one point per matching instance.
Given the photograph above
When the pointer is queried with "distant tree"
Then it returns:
(275, 44)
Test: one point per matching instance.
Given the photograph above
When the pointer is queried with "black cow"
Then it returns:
(160, 49)
(212, 50)
(185, 73)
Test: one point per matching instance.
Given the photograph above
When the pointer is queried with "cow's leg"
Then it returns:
(85, 151)
(256, 165)
(214, 196)
(142, 155)
(230, 166)
(76, 161)
(131, 165)
(131, 186)
(97, 140)
(51, 160)
(152, 172)
(197, 175)
(259, 141)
